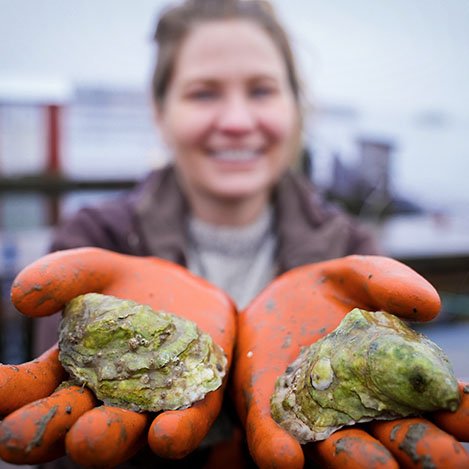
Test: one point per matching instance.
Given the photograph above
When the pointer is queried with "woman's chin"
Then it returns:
(237, 192)
(234, 166)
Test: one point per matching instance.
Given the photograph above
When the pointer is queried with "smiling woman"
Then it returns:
(228, 106)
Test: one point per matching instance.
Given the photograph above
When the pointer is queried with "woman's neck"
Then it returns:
(228, 212)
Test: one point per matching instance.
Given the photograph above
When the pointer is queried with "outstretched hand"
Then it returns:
(69, 420)
(296, 310)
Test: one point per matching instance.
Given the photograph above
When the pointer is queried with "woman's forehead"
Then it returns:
(228, 46)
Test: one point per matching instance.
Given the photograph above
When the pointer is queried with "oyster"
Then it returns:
(136, 358)
(372, 366)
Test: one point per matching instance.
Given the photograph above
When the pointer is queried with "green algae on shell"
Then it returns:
(136, 358)
(372, 366)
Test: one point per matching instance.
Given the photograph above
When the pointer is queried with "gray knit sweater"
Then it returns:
(239, 260)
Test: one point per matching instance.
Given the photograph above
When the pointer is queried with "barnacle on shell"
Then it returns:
(372, 366)
(136, 358)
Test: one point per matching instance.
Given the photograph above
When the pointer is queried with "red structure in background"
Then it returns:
(48, 97)
(53, 139)
(53, 154)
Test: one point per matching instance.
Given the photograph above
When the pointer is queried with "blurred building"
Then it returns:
(375, 164)
(365, 188)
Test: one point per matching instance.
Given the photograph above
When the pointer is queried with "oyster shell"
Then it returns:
(372, 366)
(136, 358)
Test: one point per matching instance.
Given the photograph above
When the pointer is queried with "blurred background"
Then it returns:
(386, 133)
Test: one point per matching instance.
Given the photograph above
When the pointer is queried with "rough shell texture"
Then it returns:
(136, 358)
(372, 366)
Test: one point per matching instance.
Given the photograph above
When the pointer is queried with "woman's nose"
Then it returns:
(236, 115)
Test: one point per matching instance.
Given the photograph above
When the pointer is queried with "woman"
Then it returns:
(228, 106)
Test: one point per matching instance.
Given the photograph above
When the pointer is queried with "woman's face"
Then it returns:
(229, 116)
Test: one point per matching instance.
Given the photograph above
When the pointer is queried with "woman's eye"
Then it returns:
(262, 91)
(203, 95)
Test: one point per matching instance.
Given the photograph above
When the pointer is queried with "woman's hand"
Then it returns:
(299, 308)
(68, 421)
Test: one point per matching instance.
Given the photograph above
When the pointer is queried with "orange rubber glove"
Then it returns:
(103, 436)
(297, 309)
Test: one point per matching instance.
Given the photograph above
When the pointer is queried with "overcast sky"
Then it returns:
(388, 54)
(394, 58)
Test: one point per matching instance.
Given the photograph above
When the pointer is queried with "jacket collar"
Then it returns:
(302, 235)
(161, 210)
(307, 229)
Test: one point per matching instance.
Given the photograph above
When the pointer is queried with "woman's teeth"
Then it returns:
(235, 155)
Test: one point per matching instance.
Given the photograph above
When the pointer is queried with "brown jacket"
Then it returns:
(150, 221)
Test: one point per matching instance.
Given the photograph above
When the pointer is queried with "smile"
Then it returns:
(235, 154)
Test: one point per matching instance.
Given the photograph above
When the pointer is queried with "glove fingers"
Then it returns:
(416, 442)
(270, 445)
(106, 436)
(351, 448)
(27, 382)
(383, 283)
(176, 433)
(43, 287)
(456, 423)
(313, 299)
(35, 433)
